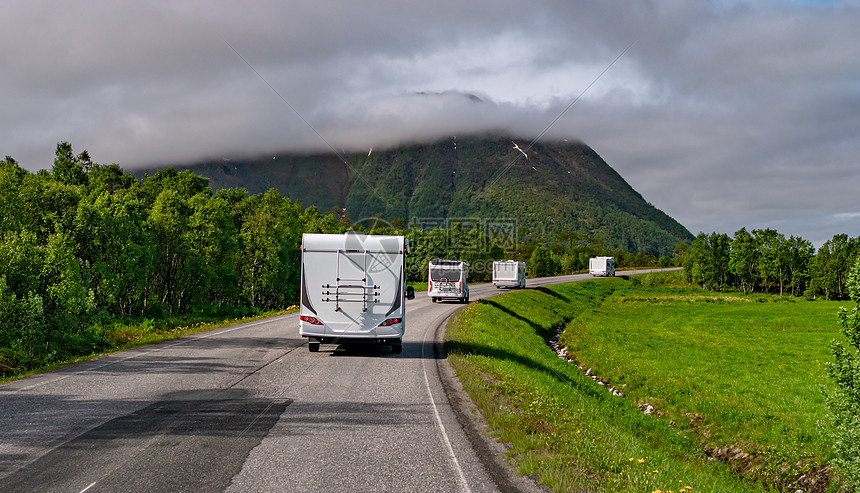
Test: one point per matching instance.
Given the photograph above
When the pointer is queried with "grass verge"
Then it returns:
(725, 379)
(119, 336)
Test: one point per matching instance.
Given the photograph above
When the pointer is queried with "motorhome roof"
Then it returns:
(354, 242)
(437, 261)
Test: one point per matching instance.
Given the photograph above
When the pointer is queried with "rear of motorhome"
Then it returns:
(601, 266)
(353, 289)
(509, 274)
(448, 279)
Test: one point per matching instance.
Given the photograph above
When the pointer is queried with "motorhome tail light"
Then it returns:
(390, 321)
(309, 319)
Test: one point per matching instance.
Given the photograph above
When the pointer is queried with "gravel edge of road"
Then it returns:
(489, 450)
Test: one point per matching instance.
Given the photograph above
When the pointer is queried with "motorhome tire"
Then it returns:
(396, 348)
(313, 347)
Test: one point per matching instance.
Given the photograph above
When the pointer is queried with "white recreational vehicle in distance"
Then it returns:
(509, 273)
(353, 289)
(447, 279)
(601, 266)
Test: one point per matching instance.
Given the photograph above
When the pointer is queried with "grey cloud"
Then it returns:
(723, 114)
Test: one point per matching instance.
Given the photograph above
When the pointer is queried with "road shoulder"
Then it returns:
(490, 451)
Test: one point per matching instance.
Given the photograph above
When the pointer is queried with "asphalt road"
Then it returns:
(249, 408)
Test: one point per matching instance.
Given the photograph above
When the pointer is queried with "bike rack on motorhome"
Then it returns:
(353, 289)
(448, 279)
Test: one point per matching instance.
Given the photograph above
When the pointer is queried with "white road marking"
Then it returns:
(461, 480)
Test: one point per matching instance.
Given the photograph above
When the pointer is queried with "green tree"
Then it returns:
(697, 266)
(46, 205)
(771, 266)
(680, 253)
(720, 246)
(8, 324)
(270, 260)
(33, 203)
(831, 265)
(707, 263)
(314, 222)
(238, 205)
(542, 263)
(820, 282)
(129, 268)
(743, 260)
(109, 178)
(67, 302)
(31, 334)
(184, 183)
(844, 401)
(168, 219)
(800, 254)
(214, 243)
(11, 205)
(113, 241)
(21, 259)
(68, 168)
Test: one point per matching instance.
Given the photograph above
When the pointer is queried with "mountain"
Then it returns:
(560, 186)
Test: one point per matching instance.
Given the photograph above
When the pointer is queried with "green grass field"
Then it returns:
(734, 383)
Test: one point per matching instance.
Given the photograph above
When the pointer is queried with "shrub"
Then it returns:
(844, 401)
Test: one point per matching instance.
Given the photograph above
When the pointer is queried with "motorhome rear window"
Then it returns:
(437, 274)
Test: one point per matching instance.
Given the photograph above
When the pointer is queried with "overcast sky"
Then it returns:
(723, 114)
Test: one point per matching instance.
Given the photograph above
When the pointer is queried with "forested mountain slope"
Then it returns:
(560, 187)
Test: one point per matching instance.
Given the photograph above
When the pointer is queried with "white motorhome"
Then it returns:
(353, 289)
(448, 279)
(601, 266)
(509, 274)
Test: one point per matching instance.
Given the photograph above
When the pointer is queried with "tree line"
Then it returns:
(86, 244)
(764, 260)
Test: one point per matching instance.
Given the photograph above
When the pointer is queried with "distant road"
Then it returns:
(248, 408)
